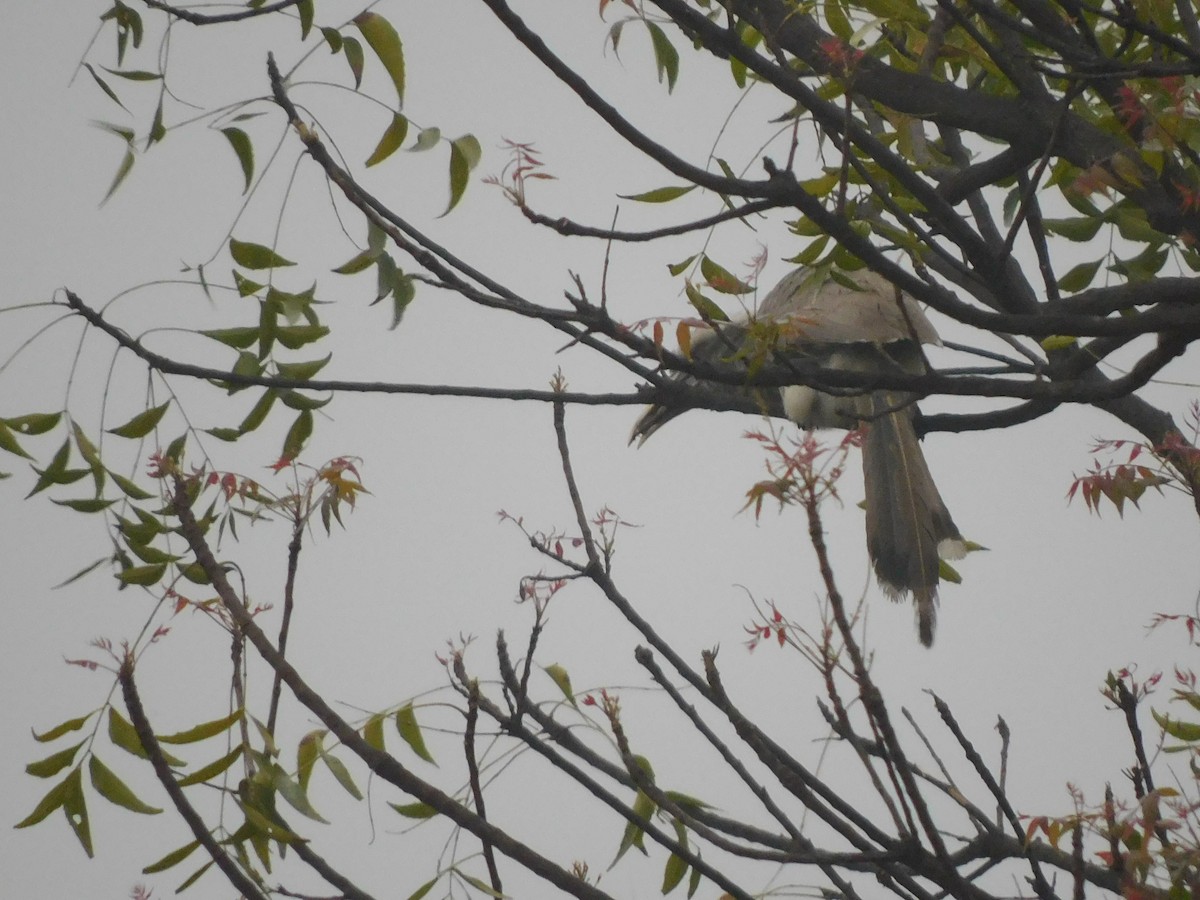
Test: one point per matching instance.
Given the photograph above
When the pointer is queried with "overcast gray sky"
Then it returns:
(1061, 596)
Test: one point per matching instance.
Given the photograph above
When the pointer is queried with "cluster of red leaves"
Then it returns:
(777, 628)
(1117, 482)
(807, 466)
(843, 59)
(524, 165)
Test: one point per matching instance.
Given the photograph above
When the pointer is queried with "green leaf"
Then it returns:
(75, 808)
(174, 858)
(708, 309)
(1081, 229)
(307, 753)
(302, 371)
(9, 443)
(134, 74)
(104, 87)
(62, 728)
(333, 38)
(54, 798)
(237, 338)
(296, 336)
(1057, 342)
(258, 413)
(145, 576)
(122, 171)
(414, 810)
(299, 401)
(393, 137)
(680, 267)
(666, 57)
(358, 263)
(114, 790)
(464, 156)
(125, 736)
(141, 424)
(1079, 276)
(54, 763)
(85, 504)
(33, 423)
(372, 732)
(240, 142)
(1184, 731)
(245, 287)
(294, 794)
(561, 677)
(128, 487)
(300, 431)
(213, 769)
(158, 130)
(383, 39)
(660, 195)
(342, 774)
(426, 140)
(410, 731)
(194, 877)
(354, 58)
(203, 730)
(673, 873)
(720, 279)
(255, 256)
(423, 889)
(305, 10)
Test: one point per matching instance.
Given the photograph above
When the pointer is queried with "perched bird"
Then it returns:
(871, 327)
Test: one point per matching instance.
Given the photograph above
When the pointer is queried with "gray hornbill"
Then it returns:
(871, 327)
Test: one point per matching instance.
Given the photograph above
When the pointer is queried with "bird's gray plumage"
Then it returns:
(870, 327)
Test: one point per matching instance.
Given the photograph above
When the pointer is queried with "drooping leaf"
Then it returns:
(33, 423)
(423, 889)
(291, 791)
(1080, 276)
(1184, 731)
(129, 488)
(304, 9)
(240, 142)
(675, 869)
(426, 140)
(333, 38)
(125, 736)
(122, 171)
(104, 87)
(75, 808)
(389, 143)
(245, 287)
(464, 155)
(559, 675)
(62, 728)
(372, 732)
(54, 763)
(307, 753)
(300, 431)
(302, 371)
(237, 338)
(53, 799)
(85, 504)
(666, 57)
(255, 256)
(339, 771)
(114, 790)
(296, 336)
(681, 267)
(354, 58)
(9, 442)
(141, 424)
(383, 39)
(414, 810)
(143, 576)
(707, 308)
(410, 731)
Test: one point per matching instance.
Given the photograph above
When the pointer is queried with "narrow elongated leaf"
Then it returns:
(423, 889)
(193, 878)
(213, 769)
(9, 443)
(383, 39)
(75, 808)
(255, 256)
(291, 791)
(307, 752)
(297, 435)
(128, 487)
(1079, 276)
(708, 309)
(240, 142)
(174, 858)
(354, 58)
(666, 57)
(123, 735)
(134, 74)
(302, 371)
(1184, 731)
(141, 424)
(54, 763)
(342, 774)
(464, 155)
(661, 195)
(238, 338)
(122, 172)
(414, 810)
(114, 790)
(305, 10)
(296, 336)
(393, 137)
(410, 731)
(86, 504)
(62, 728)
(203, 730)
(54, 798)
(104, 87)
(721, 279)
